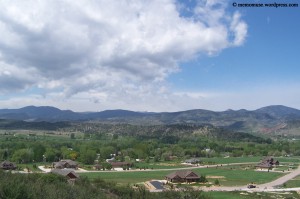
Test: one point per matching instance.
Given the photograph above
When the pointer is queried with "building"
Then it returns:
(267, 163)
(182, 176)
(193, 161)
(68, 173)
(120, 164)
(62, 164)
(7, 165)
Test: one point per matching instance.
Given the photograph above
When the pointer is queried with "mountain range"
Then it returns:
(266, 119)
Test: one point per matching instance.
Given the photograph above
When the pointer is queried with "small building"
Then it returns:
(68, 173)
(120, 164)
(7, 165)
(267, 163)
(62, 164)
(183, 176)
(193, 161)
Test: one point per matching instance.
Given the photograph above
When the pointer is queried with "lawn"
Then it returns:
(247, 195)
(230, 177)
(228, 160)
(295, 182)
(159, 165)
(238, 176)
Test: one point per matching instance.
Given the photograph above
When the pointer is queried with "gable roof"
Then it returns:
(65, 172)
(184, 174)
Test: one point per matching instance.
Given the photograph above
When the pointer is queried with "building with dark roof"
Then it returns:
(62, 164)
(7, 165)
(68, 173)
(267, 163)
(182, 176)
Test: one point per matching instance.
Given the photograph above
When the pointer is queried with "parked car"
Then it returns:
(250, 186)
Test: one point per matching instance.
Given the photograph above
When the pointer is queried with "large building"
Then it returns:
(182, 176)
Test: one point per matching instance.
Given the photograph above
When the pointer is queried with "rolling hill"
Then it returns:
(264, 120)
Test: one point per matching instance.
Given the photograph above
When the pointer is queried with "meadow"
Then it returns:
(228, 176)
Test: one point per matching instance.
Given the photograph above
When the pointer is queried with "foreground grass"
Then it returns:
(247, 195)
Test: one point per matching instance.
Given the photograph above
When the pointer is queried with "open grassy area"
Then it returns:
(293, 183)
(227, 160)
(246, 195)
(236, 176)
(230, 177)
(159, 165)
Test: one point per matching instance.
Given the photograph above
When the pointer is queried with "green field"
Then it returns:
(159, 165)
(228, 176)
(293, 183)
(246, 195)
(228, 160)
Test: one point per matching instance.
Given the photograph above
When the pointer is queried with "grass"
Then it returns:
(232, 177)
(295, 182)
(247, 195)
(228, 160)
(238, 176)
(159, 165)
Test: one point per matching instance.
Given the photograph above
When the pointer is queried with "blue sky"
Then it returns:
(269, 56)
(148, 55)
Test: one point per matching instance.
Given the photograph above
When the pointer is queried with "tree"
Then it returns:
(88, 156)
(203, 179)
(217, 182)
(23, 156)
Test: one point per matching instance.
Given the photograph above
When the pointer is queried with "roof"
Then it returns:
(186, 174)
(65, 172)
(193, 160)
(119, 164)
(7, 165)
(157, 184)
(64, 163)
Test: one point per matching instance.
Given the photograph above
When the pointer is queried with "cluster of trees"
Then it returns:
(51, 186)
(127, 148)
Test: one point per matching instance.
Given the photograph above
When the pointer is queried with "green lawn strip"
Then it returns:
(295, 182)
(288, 159)
(228, 160)
(236, 177)
(231, 177)
(247, 195)
(161, 165)
(128, 177)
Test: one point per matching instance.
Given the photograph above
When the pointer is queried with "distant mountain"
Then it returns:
(266, 119)
(279, 111)
(42, 113)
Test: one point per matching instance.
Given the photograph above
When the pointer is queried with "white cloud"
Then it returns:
(116, 50)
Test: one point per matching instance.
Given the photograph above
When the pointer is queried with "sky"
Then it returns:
(148, 55)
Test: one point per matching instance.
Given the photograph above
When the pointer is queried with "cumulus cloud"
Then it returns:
(118, 49)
